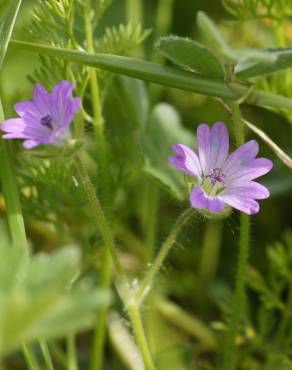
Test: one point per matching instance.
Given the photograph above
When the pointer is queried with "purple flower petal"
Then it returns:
(255, 168)
(203, 137)
(44, 120)
(29, 144)
(241, 203)
(42, 100)
(22, 127)
(213, 146)
(219, 145)
(240, 157)
(186, 160)
(200, 200)
(251, 190)
(62, 102)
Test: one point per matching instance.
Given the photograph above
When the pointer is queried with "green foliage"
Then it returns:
(274, 289)
(39, 298)
(191, 55)
(121, 39)
(164, 130)
(6, 26)
(256, 9)
(282, 60)
(48, 189)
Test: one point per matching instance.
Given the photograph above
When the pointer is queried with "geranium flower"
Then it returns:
(222, 179)
(45, 119)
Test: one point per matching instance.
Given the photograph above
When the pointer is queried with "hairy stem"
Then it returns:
(99, 335)
(239, 296)
(128, 298)
(150, 275)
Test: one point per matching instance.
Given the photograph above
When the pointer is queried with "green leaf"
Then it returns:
(164, 130)
(282, 60)
(162, 75)
(190, 54)
(39, 299)
(6, 27)
(221, 48)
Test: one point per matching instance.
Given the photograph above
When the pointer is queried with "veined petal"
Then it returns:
(213, 145)
(242, 203)
(240, 157)
(200, 200)
(203, 138)
(219, 145)
(251, 190)
(42, 100)
(186, 160)
(255, 168)
(22, 126)
(62, 98)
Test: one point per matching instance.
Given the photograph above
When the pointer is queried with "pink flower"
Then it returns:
(223, 179)
(45, 119)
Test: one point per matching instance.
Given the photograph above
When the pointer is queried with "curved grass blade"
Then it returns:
(6, 27)
(162, 75)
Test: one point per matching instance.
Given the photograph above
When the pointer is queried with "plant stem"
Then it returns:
(150, 275)
(129, 300)
(239, 296)
(99, 216)
(72, 363)
(11, 195)
(135, 317)
(100, 330)
(47, 356)
(210, 252)
(99, 335)
(30, 358)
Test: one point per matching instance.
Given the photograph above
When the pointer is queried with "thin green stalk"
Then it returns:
(100, 330)
(150, 275)
(98, 124)
(11, 195)
(103, 226)
(135, 317)
(99, 216)
(30, 358)
(152, 199)
(47, 356)
(72, 363)
(238, 309)
(210, 252)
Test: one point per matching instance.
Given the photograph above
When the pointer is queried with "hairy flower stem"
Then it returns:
(130, 302)
(150, 275)
(11, 195)
(99, 335)
(239, 296)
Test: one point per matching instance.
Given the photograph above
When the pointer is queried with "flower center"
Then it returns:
(216, 175)
(47, 121)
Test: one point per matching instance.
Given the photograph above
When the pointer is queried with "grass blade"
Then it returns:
(162, 75)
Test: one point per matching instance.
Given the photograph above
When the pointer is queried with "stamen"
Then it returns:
(47, 121)
(215, 176)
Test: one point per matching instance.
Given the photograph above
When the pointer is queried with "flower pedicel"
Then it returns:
(45, 120)
(222, 179)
